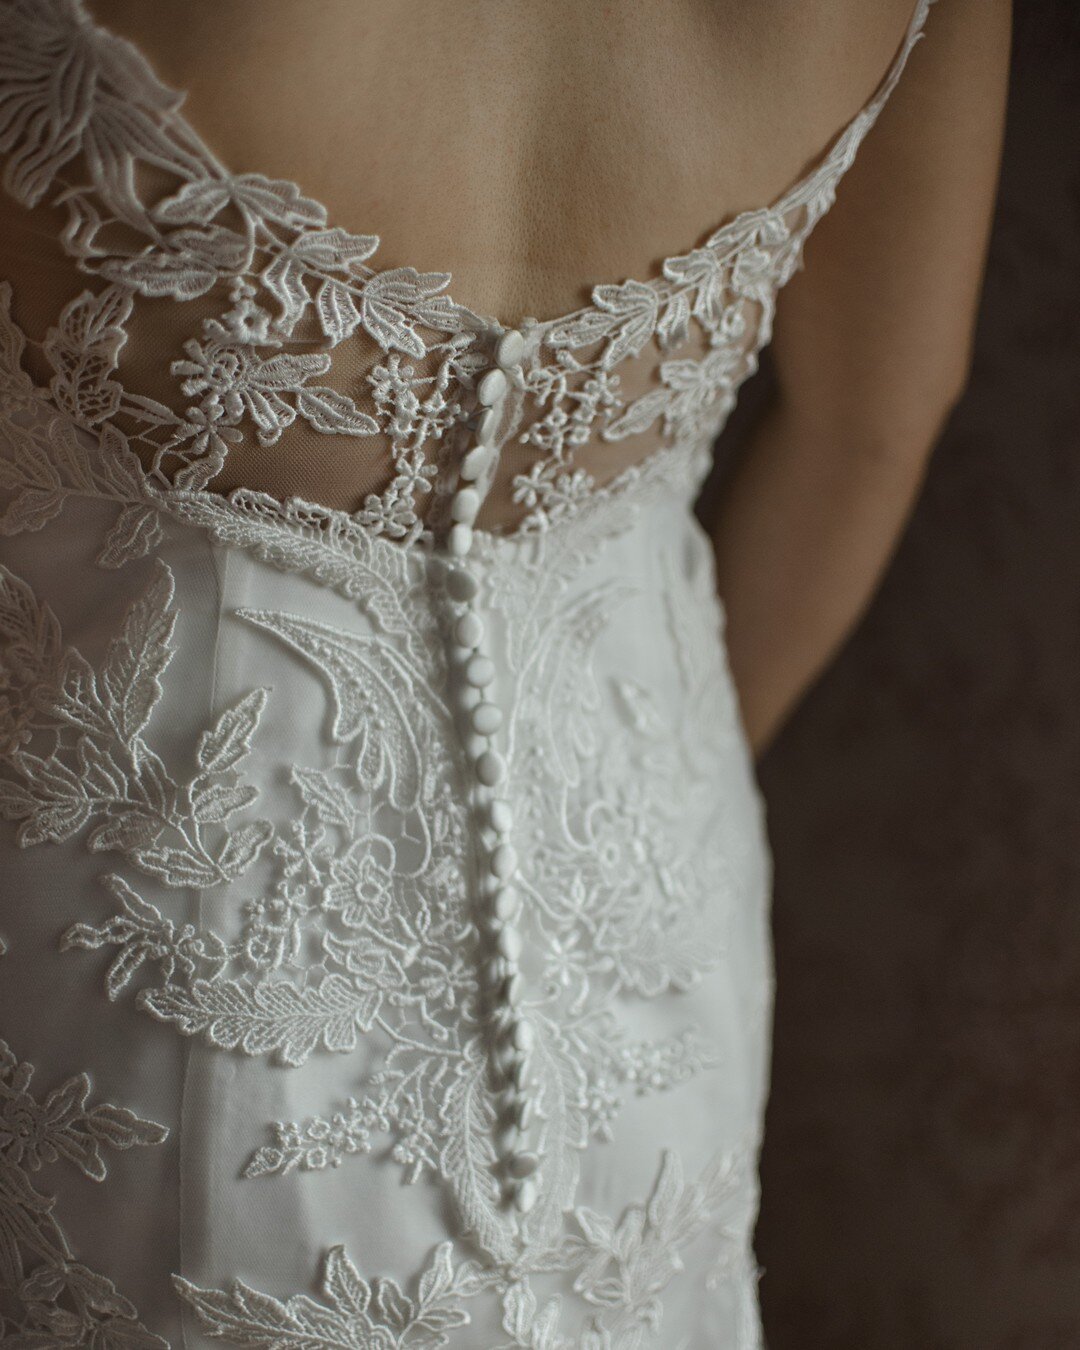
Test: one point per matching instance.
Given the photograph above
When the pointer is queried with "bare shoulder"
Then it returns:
(879, 325)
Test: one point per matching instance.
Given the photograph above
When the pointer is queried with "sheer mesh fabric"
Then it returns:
(301, 460)
(239, 339)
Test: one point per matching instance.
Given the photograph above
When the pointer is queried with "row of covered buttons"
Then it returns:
(503, 980)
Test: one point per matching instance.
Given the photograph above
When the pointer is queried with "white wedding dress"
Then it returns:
(384, 893)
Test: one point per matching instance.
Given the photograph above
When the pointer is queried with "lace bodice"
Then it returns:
(385, 892)
(288, 332)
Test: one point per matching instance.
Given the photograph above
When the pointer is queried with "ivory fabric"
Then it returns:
(255, 985)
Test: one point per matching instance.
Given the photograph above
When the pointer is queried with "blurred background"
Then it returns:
(921, 1171)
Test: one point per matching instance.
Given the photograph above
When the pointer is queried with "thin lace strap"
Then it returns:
(868, 114)
(915, 30)
(832, 167)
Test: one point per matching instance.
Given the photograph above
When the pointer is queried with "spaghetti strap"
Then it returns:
(915, 31)
(835, 161)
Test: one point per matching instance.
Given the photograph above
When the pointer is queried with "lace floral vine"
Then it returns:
(619, 1270)
(48, 1296)
(294, 281)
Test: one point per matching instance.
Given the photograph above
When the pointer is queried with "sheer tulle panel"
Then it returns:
(227, 330)
(210, 392)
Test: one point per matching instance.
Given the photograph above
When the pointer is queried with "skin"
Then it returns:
(556, 179)
(535, 191)
(872, 349)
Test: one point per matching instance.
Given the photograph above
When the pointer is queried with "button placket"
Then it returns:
(513, 1035)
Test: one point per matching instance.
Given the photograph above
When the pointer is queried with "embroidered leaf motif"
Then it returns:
(100, 767)
(285, 278)
(46, 1293)
(137, 657)
(136, 533)
(468, 1160)
(83, 350)
(373, 692)
(624, 315)
(333, 413)
(30, 511)
(272, 1017)
(376, 1315)
(47, 111)
(198, 202)
(638, 417)
(300, 537)
(185, 266)
(337, 311)
(243, 843)
(389, 298)
(224, 746)
(328, 798)
(334, 249)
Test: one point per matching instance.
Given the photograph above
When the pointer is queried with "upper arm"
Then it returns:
(873, 337)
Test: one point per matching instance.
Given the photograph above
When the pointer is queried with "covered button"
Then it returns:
(509, 348)
(492, 387)
(460, 539)
(480, 671)
(490, 767)
(525, 1196)
(506, 905)
(469, 629)
(487, 718)
(486, 429)
(475, 462)
(503, 861)
(510, 943)
(502, 817)
(465, 505)
(461, 584)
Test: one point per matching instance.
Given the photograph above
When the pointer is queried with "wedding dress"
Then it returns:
(385, 893)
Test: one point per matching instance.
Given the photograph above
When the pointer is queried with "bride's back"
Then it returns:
(534, 151)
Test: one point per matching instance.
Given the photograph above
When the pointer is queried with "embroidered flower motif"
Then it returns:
(392, 513)
(550, 493)
(415, 474)
(206, 434)
(50, 1298)
(569, 962)
(247, 324)
(34, 1133)
(235, 382)
(361, 883)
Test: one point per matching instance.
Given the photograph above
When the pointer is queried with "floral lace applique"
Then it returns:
(354, 1313)
(95, 767)
(619, 1271)
(47, 1297)
(362, 931)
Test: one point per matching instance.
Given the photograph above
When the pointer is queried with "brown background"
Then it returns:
(921, 1172)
